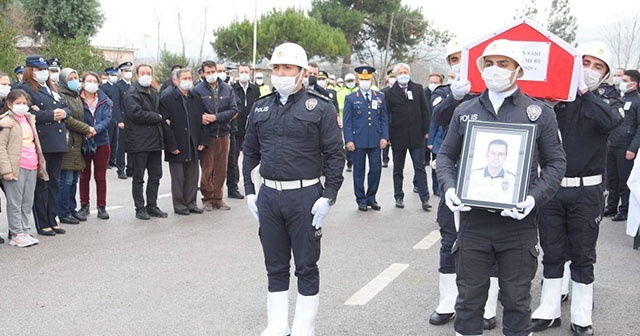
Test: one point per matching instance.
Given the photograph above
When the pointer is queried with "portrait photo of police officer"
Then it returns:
(493, 181)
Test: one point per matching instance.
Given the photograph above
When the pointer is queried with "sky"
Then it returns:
(134, 24)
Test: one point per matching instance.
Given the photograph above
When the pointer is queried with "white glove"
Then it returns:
(319, 210)
(252, 201)
(460, 88)
(521, 210)
(582, 86)
(433, 164)
(453, 201)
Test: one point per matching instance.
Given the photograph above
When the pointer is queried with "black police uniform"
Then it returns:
(486, 237)
(118, 117)
(290, 142)
(112, 92)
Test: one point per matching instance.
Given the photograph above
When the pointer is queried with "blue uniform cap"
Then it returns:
(365, 71)
(111, 71)
(19, 69)
(54, 63)
(37, 61)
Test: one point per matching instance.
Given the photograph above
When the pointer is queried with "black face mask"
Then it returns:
(313, 80)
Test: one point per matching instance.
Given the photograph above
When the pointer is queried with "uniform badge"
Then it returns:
(601, 91)
(311, 103)
(534, 112)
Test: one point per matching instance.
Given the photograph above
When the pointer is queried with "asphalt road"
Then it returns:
(204, 274)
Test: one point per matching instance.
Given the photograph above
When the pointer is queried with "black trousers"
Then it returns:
(121, 165)
(285, 226)
(151, 162)
(618, 171)
(569, 227)
(45, 202)
(484, 239)
(448, 236)
(233, 172)
(420, 175)
(113, 138)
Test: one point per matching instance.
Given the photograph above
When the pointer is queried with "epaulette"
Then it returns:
(267, 95)
(544, 102)
(319, 95)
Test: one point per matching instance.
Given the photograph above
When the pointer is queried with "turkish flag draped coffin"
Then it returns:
(551, 65)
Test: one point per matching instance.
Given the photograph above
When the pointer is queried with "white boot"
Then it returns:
(566, 278)
(304, 322)
(277, 314)
(581, 304)
(549, 308)
(448, 293)
(492, 299)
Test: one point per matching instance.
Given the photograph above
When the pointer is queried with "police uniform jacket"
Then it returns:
(584, 126)
(331, 94)
(52, 133)
(117, 114)
(627, 135)
(291, 141)
(219, 101)
(547, 152)
(111, 91)
(408, 118)
(363, 124)
(184, 130)
(142, 119)
(244, 103)
(443, 104)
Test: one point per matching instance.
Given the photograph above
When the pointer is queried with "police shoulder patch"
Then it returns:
(534, 112)
(437, 101)
(311, 103)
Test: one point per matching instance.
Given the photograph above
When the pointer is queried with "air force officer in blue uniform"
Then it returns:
(366, 133)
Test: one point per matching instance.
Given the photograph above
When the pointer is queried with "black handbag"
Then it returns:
(89, 146)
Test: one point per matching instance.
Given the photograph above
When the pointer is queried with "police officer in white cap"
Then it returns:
(292, 203)
(508, 237)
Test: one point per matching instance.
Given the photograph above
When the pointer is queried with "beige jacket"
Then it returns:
(11, 148)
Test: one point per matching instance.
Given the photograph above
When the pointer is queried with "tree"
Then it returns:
(624, 39)
(561, 22)
(77, 54)
(9, 57)
(66, 18)
(234, 42)
(529, 11)
(167, 60)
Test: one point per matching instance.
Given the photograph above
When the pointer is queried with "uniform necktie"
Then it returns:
(366, 95)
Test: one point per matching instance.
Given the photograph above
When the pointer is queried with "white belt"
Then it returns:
(289, 185)
(587, 181)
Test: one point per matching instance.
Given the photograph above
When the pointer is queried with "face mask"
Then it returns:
(4, 91)
(145, 80)
(222, 76)
(259, 81)
(456, 69)
(55, 76)
(104, 81)
(285, 85)
(41, 76)
(244, 77)
(113, 79)
(403, 79)
(186, 85)
(616, 80)
(392, 81)
(128, 75)
(313, 80)
(93, 87)
(497, 79)
(73, 85)
(432, 86)
(20, 109)
(212, 78)
(624, 87)
(305, 82)
(351, 85)
(322, 83)
(365, 85)
(591, 78)
(340, 84)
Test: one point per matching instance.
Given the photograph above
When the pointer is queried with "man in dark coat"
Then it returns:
(409, 120)
(143, 127)
(112, 92)
(184, 138)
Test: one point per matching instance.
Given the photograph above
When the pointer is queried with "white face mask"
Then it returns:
(186, 85)
(392, 81)
(104, 81)
(113, 79)
(350, 85)
(322, 83)
(498, 79)
(403, 79)
(433, 86)
(259, 81)
(20, 109)
(4, 91)
(244, 77)
(222, 76)
(591, 78)
(91, 87)
(456, 69)
(145, 80)
(55, 76)
(41, 76)
(616, 80)
(305, 82)
(365, 85)
(285, 85)
(211, 78)
(128, 75)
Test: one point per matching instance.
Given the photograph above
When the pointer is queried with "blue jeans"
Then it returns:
(68, 184)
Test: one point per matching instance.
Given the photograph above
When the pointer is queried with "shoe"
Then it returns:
(156, 212)
(196, 210)
(235, 194)
(581, 331)
(50, 232)
(183, 212)
(375, 206)
(440, 319)
(102, 213)
(1, 240)
(207, 207)
(122, 176)
(220, 204)
(488, 324)
(400, 203)
(68, 220)
(79, 216)
(385, 164)
(542, 324)
(564, 297)
(22, 240)
(363, 207)
(32, 240)
(426, 206)
(609, 212)
(142, 214)
(415, 190)
(59, 230)
(636, 242)
(619, 217)
(84, 210)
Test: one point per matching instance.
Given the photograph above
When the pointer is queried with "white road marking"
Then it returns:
(375, 286)
(164, 195)
(109, 208)
(428, 241)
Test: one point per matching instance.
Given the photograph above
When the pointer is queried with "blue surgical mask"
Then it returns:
(403, 79)
(73, 85)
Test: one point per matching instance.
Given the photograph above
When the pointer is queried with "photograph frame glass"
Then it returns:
(495, 164)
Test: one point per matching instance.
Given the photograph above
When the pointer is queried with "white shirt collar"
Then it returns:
(497, 98)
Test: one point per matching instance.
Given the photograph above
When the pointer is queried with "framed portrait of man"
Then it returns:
(495, 164)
